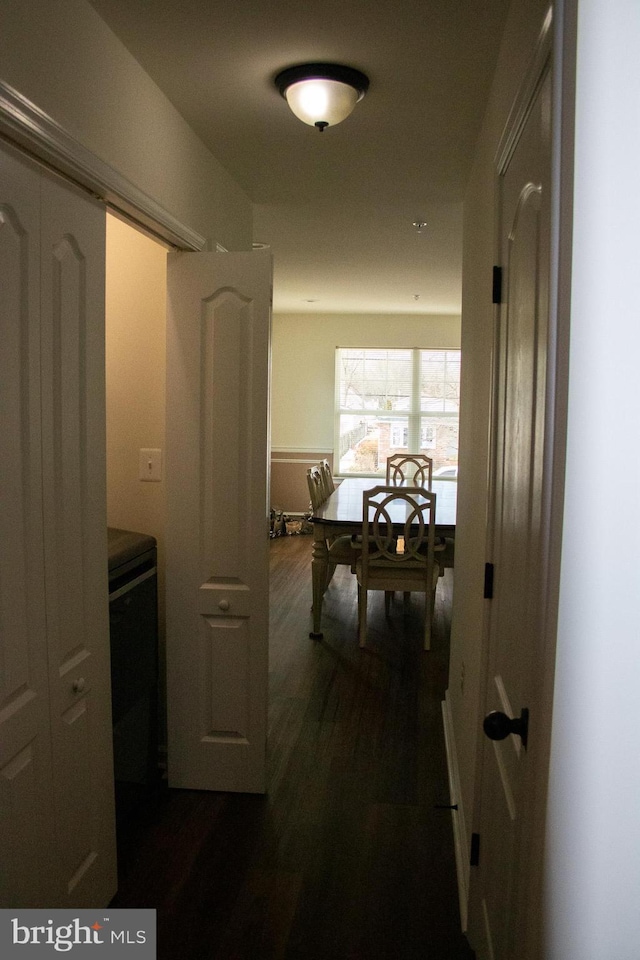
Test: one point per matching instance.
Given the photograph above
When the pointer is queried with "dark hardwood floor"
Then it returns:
(349, 856)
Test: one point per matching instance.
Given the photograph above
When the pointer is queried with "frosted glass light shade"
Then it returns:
(321, 94)
(321, 101)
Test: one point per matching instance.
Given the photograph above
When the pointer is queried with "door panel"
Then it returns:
(508, 788)
(75, 531)
(25, 761)
(57, 836)
(218, 336)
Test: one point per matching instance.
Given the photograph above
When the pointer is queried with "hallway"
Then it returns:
(350, 854)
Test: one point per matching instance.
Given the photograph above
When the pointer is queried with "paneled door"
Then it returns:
(57, 822)
(75, 539)
(26, 822)
(218, 342)
(505, 886)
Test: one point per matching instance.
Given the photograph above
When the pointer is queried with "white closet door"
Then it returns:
(75, 539)
(26, 830)
(218, 334)
(57, 823)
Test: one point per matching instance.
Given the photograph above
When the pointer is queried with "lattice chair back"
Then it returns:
(413, 468)
(398, 525)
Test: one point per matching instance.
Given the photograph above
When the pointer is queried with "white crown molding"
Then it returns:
(25, 124)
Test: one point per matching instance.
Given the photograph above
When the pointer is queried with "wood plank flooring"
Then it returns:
(349, 856)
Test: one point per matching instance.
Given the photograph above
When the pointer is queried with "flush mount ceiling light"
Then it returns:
(322, 94)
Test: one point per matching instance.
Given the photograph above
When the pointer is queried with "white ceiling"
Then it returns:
(336, 207)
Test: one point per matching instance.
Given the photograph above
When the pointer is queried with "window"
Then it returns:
(399, 436)
(396, 401)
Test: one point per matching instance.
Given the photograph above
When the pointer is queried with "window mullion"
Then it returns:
(414, 413)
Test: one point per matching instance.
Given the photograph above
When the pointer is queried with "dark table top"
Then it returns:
(344, 506)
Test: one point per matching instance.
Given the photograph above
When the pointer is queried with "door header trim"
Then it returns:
(526, 95)
(27, 126)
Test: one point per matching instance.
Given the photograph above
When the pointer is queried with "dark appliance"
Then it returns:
(133, 619)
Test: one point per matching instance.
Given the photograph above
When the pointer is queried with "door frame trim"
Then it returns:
(525, 96)
(25, 125)
(545, 55)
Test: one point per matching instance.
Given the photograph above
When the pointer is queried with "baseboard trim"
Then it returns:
(458, 817)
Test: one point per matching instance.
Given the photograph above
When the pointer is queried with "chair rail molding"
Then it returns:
(276, 459)
(312, 451)
(25, 125)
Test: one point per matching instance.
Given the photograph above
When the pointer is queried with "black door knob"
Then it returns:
(498, 726)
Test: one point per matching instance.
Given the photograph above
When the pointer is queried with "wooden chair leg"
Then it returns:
(362, 616)
(427, 634)
(429, 606)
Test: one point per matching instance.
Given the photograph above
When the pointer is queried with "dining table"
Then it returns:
(341, 513)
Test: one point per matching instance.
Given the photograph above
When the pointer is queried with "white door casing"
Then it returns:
(506, 882)
(218, 343)
(56, 780)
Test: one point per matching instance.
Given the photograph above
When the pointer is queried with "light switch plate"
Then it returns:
(150, 465)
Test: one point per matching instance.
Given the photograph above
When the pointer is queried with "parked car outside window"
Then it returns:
(446, 473)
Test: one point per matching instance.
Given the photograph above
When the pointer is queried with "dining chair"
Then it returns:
(340, 548)
(445, 551)
(415, 468)
(327, 478)
(316, 487)
(400, 555)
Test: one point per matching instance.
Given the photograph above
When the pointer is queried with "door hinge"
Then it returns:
(497, 285)
(488, 581)
(474, 854)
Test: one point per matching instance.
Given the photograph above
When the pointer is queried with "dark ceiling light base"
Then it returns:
(321, 94)
(322, 71)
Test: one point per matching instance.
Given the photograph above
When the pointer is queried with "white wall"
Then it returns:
(135, 309)
(62, 57)
(593, 814)
(135, 355)
(303, 366)
(466, 666)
